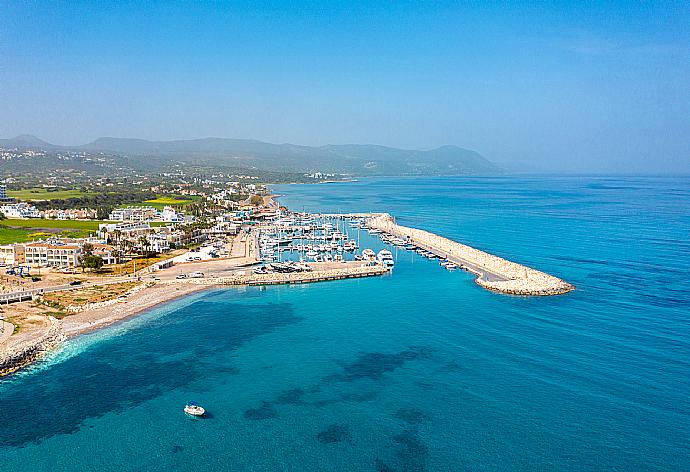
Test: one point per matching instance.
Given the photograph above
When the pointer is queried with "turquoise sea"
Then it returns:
(421, 370)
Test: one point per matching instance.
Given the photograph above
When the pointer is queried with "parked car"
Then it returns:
(75, 282)
(181, 276)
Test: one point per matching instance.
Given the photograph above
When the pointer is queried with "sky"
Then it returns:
(536, 86)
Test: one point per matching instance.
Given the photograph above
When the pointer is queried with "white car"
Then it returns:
(196, 275)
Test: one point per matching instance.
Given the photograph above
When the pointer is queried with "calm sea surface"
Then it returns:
(419, 370)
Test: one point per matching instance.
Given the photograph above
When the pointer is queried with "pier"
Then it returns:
(493, 272)
(346, 272)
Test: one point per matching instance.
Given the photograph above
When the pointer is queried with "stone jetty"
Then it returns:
(493, 272)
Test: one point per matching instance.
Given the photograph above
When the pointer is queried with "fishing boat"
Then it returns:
(193, 409)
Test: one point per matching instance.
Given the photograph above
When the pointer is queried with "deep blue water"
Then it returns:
(419, 370)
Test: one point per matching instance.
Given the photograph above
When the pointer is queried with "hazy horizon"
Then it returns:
(535, 88)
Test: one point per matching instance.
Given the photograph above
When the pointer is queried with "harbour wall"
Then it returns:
(493, 272)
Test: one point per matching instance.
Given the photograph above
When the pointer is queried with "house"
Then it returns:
(105, 252)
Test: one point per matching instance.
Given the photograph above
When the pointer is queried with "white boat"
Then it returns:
(369, 254)
(385, 257)
(193, 409)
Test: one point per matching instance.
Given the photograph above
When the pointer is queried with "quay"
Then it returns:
(347, 271)
(493, 272)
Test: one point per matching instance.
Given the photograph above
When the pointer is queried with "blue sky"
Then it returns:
(584, 87)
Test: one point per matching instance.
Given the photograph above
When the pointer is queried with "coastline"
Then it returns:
(97, 318)
(23, 352)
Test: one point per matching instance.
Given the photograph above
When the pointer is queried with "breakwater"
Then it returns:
(295, 277)
(493, 272)
(20, 355)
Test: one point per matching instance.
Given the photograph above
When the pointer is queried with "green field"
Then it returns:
(11, 235)
(39, 223)
(39, 193)
(18, 231)
(162, 201)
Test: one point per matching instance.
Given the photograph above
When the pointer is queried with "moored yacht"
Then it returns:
(385, 257)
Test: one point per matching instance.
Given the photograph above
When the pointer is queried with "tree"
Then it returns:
(92, 262)
(144, 242)
(2, 216)
(117, 254)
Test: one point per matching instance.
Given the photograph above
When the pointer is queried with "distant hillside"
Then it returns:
(354, 159)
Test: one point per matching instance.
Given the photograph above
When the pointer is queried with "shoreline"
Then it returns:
(91, 320)
(23, 353)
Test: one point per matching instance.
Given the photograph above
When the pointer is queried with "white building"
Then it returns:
(158, 242)
(52, 254)
(12, 254)
(171, 216)
(134, 214)
(19, 210)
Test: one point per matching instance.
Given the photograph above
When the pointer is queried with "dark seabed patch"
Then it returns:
(125, 371)
(177, 448)
(373, 365)
(265, 412)
(291, 397)
(411, 454)
(334, 433)
(347, 397)
(411, 415)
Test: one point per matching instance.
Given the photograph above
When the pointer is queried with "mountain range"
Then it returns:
(352, 159)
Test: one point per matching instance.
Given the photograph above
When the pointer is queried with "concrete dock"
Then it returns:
(345, 272)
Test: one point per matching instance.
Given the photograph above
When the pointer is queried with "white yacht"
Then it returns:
(369, 254)
(386, 257)
(193, 409)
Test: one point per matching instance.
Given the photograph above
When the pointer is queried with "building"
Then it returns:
(3, 194)
(126, 230)
(106, 252)
(12, 254)
(171, 216)
(52, 254)
(19, 210)
(158, 243)
(71, 214)
(140, 213)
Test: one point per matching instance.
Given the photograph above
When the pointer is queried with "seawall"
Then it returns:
(493, 272)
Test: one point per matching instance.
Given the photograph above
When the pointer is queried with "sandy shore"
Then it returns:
(150, 297)
(17, 352)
